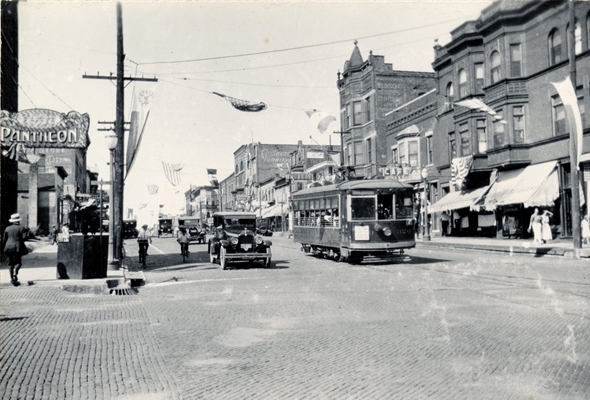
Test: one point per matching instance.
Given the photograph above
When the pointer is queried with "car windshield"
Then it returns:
(190, 222)
(239, 223)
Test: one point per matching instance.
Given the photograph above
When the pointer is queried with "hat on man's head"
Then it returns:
(14, 218)
(144, 226)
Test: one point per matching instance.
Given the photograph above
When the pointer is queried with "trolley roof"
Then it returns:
(360, 184)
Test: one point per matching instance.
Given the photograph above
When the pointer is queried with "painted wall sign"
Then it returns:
(401, 172)
(45, 128)
(315, 154)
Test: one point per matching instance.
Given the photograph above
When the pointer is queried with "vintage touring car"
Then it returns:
(233, 239)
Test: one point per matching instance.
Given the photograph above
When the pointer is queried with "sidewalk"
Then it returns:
(40, 268)
(558, 247)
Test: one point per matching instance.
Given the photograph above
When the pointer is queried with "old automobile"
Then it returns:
(195, 229)
(233, 238)
(130, 228)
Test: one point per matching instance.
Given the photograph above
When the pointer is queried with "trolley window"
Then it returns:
(362, 208)
(385, 206)
(403, 205)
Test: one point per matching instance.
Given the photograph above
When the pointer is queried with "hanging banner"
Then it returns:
(45, 128)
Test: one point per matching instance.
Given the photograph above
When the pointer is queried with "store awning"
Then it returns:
(533, 186)
(271, 211)
(458, 199)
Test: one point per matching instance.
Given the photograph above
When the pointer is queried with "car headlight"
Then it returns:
(234, 241)
(258, 240)
(387, 231)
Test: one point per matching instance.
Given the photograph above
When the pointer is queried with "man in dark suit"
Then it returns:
(14, 246)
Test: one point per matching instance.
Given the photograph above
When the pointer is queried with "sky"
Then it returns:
(196, 48)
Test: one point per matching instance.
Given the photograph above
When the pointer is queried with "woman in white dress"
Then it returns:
(536, 225)
(546, 228)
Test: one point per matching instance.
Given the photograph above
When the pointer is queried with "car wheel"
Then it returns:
(222, 259)
(211, 255)
(267, 260)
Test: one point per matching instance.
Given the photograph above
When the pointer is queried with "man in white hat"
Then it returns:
(14, 246)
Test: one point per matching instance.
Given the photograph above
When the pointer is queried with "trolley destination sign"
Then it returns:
(44, 128)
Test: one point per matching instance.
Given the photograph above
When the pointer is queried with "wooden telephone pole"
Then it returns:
(119, 176)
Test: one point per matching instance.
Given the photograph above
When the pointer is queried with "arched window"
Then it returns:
(450, 92)
(462, 83)
(496, 62)
(554, 43)
(577, 38)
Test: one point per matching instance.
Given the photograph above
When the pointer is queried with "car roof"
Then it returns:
(238, 214)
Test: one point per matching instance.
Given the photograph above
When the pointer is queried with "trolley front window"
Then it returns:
(362, 208)
(403, 205)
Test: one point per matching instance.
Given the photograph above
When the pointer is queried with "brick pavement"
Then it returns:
(59, 345)
(437, 327)
(315, 329)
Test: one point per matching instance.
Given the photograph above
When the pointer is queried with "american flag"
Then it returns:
(172, 172)
(212, 174)
(153, 189)
(460, 167)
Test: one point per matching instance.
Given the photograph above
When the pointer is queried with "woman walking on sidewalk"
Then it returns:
(536, 226)
(14, 246)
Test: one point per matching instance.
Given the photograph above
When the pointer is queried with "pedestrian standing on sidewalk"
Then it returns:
(65, 232)
(536, 226)
(14, 246)
(546, 228)
(444, 222)
(585, 230)
(53, 235)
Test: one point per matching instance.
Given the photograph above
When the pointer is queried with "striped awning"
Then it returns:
(534, 186)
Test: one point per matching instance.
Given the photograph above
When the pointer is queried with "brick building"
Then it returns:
(368, 90)
(491, 167)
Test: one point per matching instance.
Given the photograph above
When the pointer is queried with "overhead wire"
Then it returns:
(299, 47)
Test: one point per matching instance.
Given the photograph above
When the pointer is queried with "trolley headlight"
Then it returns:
(258, 240)
(234, 241)
(377, 227)
(387, 231)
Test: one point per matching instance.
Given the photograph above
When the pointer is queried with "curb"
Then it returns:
(536, 251)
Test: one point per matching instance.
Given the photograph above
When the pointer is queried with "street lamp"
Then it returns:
(111, 142)
(426, 236)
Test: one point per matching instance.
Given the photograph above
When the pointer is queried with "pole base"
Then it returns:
(114, 265)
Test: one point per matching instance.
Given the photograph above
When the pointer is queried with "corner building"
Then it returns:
(519, 158)
(368, 90)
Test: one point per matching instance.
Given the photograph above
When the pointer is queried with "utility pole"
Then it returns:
(119, 177)
(575, 180)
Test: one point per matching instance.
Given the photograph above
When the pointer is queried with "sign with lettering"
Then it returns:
(45, 128)
(401, 172)
(315, 154)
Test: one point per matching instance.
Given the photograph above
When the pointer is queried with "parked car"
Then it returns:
(194, 228)
(262, 229)
(234, 239)
(130, 228)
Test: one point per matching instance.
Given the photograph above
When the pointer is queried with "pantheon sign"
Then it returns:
(44, 128)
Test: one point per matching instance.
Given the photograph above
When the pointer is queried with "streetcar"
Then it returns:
(357, 220)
